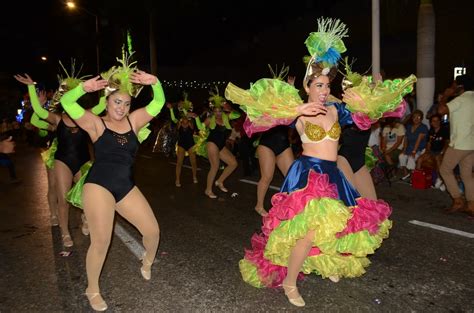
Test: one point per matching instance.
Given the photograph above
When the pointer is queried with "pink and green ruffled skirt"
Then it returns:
(315, 196)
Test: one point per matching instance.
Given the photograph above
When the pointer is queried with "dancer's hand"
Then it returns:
(25, 79)
(191, 115)
(143, 78)
(350, 96)
(311, 108)
(7, 145)
(291, 80)
(94, 84)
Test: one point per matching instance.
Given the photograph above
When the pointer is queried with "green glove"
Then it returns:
(69, 102)
(42, 112)
(99, 108)
(154, 107)
(35, 121)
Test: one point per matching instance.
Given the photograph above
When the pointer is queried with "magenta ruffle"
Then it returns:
(367, 215)
(363, 121)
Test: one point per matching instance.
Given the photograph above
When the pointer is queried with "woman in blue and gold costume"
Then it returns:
(318, 222)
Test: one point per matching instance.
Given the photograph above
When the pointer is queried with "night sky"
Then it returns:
(223, 40)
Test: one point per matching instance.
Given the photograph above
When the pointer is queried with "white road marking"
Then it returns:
(442, 228)
(256, 183)
(131, 243)
(186, 166)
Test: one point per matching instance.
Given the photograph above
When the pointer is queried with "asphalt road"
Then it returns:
(417, 269)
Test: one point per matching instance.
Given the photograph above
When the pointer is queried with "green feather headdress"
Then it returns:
(118, 77)
(280, 75)
(216, 100)
(67, 81)
(325, 48)
(185, 106)
(351, 79)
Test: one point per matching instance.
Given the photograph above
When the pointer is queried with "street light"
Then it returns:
(71, 5)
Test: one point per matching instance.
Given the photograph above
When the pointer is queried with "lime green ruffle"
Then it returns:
(250, 274)
(266, 96)
(74, 196)
(383, 97)
(48, 155)
(370, 159)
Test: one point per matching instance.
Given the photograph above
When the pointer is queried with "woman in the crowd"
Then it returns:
(414, 144)
(109, 186)
(185, 142)
(219, 129)
(72, 149)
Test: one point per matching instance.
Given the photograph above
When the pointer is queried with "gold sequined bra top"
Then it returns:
(314, 133)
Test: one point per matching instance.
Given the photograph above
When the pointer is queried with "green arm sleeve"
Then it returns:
(234, 115)
(42, 112)
(154, 107)
(43, 133)
(173, 117)
(225, 119)
(100, 107)
(199, 124)
(35, 121)
(69, 102)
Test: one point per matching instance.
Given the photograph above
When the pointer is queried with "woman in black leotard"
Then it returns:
(72, 152)
(273, 149)
(220, 129)
(109, 186)
(351, 160)
(185, 143)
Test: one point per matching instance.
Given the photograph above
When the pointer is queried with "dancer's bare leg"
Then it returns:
(179, 164)
(267, 161)
(63, 184)
(364, 183)
(99, 208)
(229, 159)
(192, 160)
(284, 161)
(52, 196)
(346, 169)
(136, 209)
(295, 262)
(213, 156)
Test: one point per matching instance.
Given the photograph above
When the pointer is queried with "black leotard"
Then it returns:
(185, 137)
(276, 139)
(73, 149)
(114, 158)
(353, 144)
(218, 135)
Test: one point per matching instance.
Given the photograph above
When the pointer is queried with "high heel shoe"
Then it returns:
(334, 279)
(298, 301)
(195, 180)
(85, 226)
(221, 186)
(67, 241)
(146, 263)
(99, 304)
(210, 194)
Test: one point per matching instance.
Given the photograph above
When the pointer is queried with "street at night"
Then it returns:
(417, 268)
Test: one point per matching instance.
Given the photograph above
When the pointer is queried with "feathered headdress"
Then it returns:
(216, 100)
(185, 106)
(118, 77)
(66, 83)
(325, 48)
(351, 78)
(281, 75)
